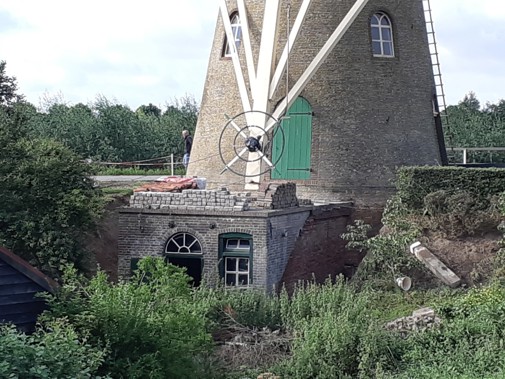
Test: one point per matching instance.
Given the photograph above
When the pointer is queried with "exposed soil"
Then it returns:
(470, 257)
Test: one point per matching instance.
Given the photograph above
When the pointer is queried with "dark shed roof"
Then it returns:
(19, 282)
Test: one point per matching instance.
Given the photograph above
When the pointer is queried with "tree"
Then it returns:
(471, 126)
(48, 198)
(108, 131)
(53, 352)
(470, 102)
(8, 87)
(149, 110)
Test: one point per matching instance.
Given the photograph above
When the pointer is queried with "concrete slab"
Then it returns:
(438, 269)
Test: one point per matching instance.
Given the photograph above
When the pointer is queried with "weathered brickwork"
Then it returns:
(371, 114)
(145, 232)
(276, 196)
(319, 253)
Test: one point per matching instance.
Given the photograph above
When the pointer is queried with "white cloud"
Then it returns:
(123, 49)
(153, 51)
(471, 41)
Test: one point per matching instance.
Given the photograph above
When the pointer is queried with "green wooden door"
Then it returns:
(294, 162)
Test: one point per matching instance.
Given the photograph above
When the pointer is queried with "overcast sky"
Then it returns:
(157, 50)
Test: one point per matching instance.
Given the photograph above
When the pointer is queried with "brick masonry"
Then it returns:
(371, 114)
(303, 239)
(145, 232)
(319, 252)
(192, 199)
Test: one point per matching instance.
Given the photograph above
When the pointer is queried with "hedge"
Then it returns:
(414, 183)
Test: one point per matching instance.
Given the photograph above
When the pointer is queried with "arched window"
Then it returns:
(236, 30)
(184, 250)
(382, 35)
(183, 243)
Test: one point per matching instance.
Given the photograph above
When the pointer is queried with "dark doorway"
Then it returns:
(193, 267)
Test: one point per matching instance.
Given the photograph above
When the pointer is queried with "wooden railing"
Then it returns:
(167, 162)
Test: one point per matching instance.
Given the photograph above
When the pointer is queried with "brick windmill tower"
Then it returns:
(333, 94)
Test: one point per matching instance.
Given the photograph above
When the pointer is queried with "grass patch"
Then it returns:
(137, 171)
(117, 191)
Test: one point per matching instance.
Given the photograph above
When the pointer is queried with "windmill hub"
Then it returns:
(253, 144)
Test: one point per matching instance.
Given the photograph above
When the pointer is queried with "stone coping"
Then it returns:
(345, 208)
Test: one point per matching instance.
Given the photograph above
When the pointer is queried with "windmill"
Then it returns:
(269, 56)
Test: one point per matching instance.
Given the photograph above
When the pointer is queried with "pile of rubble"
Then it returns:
(199, 200)
(421, 319)
(277, 196)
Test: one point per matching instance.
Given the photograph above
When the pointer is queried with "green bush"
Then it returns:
(336, 334)
(459, 213)
(54, 352)
(152, 325)
(387, 257)
(415, 183)
(48, 200)
(469, 344)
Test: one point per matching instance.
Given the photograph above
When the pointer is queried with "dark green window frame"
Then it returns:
(229, 251)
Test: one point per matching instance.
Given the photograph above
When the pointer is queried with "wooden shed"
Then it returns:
(19, 283)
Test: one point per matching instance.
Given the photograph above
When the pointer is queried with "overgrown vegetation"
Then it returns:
(158, 326)
(55, 351)
(450, 202)
(153, 326)
(47, 197)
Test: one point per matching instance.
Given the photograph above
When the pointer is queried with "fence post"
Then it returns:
(464, 156)
(172, 164)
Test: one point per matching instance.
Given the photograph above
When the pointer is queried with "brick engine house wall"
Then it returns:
(288, 245)
(145, 233)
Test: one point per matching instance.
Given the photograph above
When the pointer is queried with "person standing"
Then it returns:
(188, 142)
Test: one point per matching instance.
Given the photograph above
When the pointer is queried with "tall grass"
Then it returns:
(158, 326)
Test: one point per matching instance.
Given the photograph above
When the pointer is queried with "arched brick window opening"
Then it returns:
(184, 250)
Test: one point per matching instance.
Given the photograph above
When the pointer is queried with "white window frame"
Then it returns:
(235, 271)
(237, 246)
(188, 241)
(236, 28)
(376, 24)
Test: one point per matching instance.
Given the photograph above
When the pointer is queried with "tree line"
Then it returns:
(109, 132)
(104, 130)
(469, 124)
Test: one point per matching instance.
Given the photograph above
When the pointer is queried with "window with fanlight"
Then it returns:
(236, 264)
(184, 250)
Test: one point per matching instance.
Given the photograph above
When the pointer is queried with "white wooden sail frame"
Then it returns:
(264, 79)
